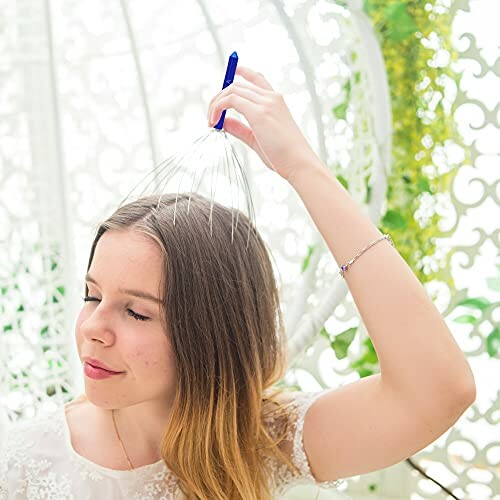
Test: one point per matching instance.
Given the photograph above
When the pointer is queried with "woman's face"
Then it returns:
(112, 328)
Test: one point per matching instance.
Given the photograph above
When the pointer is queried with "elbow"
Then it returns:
(465, 392)
(456, 402)
(457, 396)
(464, 386)
(470, 393)
(469, 387)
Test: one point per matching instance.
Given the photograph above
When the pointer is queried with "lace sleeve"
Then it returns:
(284, 477)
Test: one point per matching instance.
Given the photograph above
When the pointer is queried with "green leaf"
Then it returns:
(3, 290)
(400, 22)
(493, 342)
(307, 259)
(347, 89)
(60, 289)
(475, 303)
(370, 355)
(20, 308)
(323, 332)
(365, 372)
(343, 181)
(340, 111)
(466, 318)
(368, 196)
(368, 6)
(7, 328)
(342, 341)
(394, 220)
(423, 185)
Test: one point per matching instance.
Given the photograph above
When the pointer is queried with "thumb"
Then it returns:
(245, 134)
(240, 131)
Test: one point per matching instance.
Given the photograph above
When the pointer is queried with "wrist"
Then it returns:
(302, 170)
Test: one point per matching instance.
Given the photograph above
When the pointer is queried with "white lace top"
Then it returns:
(37, 461)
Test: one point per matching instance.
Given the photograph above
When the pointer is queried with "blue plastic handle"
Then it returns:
(228, 79)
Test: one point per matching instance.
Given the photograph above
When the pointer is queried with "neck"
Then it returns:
(140, 428)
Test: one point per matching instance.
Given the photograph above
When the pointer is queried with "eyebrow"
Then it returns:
(135, 293)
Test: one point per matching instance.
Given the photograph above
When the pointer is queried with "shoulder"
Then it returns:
(30, 446)
(35, 429)
(286, 420)
(33, 434)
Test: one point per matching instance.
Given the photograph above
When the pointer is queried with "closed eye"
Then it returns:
(130, 312)
(136, 316)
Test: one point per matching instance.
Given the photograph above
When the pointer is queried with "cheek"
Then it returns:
(152, 358)
(79, 320)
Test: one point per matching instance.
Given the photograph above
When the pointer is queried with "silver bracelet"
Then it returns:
(344, 268)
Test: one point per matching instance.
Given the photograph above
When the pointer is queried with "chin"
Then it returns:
(104, 397)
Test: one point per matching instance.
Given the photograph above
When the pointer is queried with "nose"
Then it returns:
(98, 325)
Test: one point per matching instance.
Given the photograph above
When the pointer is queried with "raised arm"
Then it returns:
(418, 355)
(425, 382)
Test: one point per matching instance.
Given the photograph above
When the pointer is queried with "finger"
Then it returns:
(245, 134)
(254, 77)
(232, 88)
(223, 101)
(249, 109)
(240, 131)
(251, 86)
(235, 87)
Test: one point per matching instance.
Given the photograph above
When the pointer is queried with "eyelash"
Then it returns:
(134, 315)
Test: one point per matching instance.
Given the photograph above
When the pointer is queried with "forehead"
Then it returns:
(128, 256)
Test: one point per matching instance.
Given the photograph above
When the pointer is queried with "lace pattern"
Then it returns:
(284, 477)
(37, 461)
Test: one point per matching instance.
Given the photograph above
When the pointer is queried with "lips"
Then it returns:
(99, 364)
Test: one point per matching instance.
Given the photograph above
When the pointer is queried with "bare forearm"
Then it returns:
(417, 353)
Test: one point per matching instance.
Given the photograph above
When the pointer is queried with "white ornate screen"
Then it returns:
(94, 94)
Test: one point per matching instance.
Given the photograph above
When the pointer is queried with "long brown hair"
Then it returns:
(223, 318)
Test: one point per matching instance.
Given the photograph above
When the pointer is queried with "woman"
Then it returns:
(188, 329)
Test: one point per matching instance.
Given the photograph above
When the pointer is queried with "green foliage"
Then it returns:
(12, 314)
(340, 343)
(493, 342)
(307, 258)
(416, 84)
(365, 365)
(343, 181)
(399, 23)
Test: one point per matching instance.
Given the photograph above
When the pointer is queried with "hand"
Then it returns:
(273, 134)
